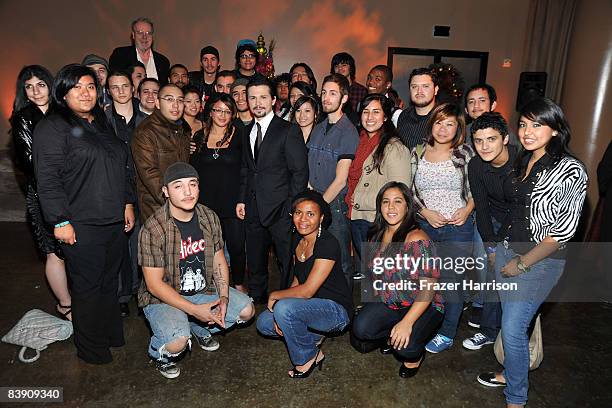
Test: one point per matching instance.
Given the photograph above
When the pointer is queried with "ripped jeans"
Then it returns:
(169, 323)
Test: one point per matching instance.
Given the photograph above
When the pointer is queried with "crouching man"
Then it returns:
(185, 292)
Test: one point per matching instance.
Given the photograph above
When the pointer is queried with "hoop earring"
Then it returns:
(319, 234)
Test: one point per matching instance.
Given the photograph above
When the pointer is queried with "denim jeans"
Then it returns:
(519, 307)
(490, 322)
(359, 230)
(297, 318)
(169, 323)
(341, 229)
(481, 274)
(480, 252)
(452, 242)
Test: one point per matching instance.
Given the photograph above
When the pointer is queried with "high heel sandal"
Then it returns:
(303, 374)
(64, 314)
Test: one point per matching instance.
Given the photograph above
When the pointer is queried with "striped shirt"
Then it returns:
(412, 128)
(549, 201)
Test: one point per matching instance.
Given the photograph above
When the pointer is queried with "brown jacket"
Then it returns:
(157, 143)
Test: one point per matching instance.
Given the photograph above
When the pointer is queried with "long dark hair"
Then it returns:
(27, 73)
(388, 129)
(306, 99)
(228, 101)
(545, 112)
(376, 231)
(66, 79)
(309, 73)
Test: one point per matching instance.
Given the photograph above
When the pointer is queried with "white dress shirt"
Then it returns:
(149, 65)
(264, 123)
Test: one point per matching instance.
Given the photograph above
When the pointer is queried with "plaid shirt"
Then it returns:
(159, 246)
(356, 94)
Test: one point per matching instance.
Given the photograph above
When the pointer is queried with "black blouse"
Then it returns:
(335, 286)
(81, 172)
(219, 171)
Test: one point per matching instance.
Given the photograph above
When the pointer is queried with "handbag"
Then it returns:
(536, 349)
(36, 330)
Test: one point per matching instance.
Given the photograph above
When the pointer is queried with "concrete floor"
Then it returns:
(249, 370)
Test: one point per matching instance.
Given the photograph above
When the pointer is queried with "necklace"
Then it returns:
(303, 254)
(215, 155)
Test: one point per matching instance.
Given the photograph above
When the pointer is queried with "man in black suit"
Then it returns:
(156, 64)
(274, 170)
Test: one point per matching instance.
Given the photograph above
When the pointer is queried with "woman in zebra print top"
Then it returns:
(549, 190)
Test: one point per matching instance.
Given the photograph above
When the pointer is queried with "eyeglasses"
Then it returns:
(171, 99)
(143, 33)
(221, 112)
(247, 56)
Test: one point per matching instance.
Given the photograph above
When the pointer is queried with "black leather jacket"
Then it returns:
(22, 129)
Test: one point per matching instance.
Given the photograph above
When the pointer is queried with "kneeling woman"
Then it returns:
(404, 320)
(319, 299)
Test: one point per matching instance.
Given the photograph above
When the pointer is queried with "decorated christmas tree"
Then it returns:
(450, 82)
(265, 64)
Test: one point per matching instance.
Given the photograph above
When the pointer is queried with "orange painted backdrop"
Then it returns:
(61, 31)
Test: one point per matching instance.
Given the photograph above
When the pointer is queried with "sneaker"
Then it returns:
(438, 343)
(489, 380)
(475, 317)
(167, 369)
(358, 276)
(476, 342)
(206, 343)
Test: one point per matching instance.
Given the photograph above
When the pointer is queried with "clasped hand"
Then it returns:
(437, 220)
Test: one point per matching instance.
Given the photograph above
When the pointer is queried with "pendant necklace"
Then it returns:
(303, 255)
(215, 155)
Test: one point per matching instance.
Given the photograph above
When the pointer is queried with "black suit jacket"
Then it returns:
(124, 57)
(281, 171)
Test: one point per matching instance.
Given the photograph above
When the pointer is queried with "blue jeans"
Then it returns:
(169, 323)
(452, 242)
(359, 230)
(341, 229)
(481, 274)
(519, 307)
(480, 252)
(297, 317)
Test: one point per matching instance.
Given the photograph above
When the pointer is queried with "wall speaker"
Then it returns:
(531, 85)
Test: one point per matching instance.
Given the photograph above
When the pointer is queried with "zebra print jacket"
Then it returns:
(556, 200)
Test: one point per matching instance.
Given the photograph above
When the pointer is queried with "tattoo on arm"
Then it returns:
(220, 282)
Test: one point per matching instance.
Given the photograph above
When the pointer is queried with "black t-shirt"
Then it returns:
(192, 262)
(335, 286)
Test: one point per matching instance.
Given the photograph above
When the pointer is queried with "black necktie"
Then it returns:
(257, 141)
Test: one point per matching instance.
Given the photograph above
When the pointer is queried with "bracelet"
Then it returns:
(491, 250)
(221, 297)
(62, 224)
(521, 266)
